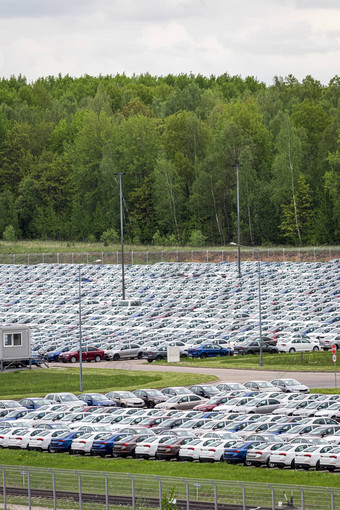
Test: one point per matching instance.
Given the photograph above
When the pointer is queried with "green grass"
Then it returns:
(80, 247)
(307, 362)
(216, 471)
(39, 382)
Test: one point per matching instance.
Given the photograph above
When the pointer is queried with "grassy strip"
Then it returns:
(40, 382)
(78, 247)
(216, 471)
(306, 362)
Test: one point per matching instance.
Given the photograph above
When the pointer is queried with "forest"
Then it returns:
(177, 139)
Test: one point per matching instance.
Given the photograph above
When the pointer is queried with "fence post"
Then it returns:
(133, 492)
(314, 254)
(243, 496)
(147, 258)
(4, 487)
(43, 258)
(28, 488)
(117, 258)
(72, 258)
(13, 258)
(176, 255)
(159, 490)
(207, 255)
(332, 498)
(268, 256)
(162, 256)
(215, 493)
(54, 489)
(187, 492)
(302, 497)
(330, 253)
(102, 257)
(299, 254)
(222, 256)
(283, 254)
(192, 255)
(273, 495)
(79, 487)
(106, 490)
(131, 258)
(57, 258)
(28, 259)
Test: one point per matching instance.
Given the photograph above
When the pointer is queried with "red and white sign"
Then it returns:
(334, 358)
(334, 349)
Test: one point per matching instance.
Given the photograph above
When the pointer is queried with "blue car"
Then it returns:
(238, 452)
(34, 402)
(96, 399)
(104, 446)
(209, 350)
(63, 442)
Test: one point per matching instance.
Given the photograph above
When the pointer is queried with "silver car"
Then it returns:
(125, 399)
(124, 351)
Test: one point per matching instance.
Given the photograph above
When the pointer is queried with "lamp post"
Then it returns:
(121, 229)
(260, 298)
(80, 333)
(237, 166)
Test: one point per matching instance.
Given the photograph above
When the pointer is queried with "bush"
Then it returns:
(109, 237)
(197, 238)
(9, 234)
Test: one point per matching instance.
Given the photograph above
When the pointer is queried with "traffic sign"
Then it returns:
(334, 349)
(334, 358)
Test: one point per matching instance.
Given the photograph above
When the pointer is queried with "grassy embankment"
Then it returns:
(39, 382)
(306, 362)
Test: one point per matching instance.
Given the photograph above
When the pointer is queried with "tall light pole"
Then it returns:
(80, 333)
(237, 166)
(260, 298)
(121, 229)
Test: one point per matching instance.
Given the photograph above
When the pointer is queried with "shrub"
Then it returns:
(197, 238)
(109, 237)
(9, 234)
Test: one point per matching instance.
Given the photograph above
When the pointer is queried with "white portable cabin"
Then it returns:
(15, 344)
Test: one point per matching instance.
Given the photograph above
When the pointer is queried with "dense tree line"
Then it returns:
(63, 139)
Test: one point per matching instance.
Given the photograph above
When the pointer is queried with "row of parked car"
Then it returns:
(276, 423)
(187, 305)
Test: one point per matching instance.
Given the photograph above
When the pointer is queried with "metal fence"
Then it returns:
(152, 257)
(33, 487)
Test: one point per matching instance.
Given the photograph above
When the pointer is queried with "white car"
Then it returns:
(214, 451)
(20, 440)
(310, 457)
(83, 444)
(298, 344)
(7, 433)
(330, 460)
(42, 441)
(191, 451)
(285, 455)
(148, 448)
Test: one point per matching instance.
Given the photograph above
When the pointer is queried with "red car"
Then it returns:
(88, 354)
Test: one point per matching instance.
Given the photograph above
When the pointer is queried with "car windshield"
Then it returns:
(173, 399)
(68, 398)
(155, 393)
(98, 396)
(126, 394)
(291, 382)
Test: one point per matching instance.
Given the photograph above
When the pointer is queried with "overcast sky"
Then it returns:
(261, 38)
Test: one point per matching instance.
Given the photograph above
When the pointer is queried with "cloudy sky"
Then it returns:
(262, 38)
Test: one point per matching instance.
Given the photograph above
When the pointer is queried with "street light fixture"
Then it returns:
(121, 229)
(80, 332)
(237, 166)
(260, 298)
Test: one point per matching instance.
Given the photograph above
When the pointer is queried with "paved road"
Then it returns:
(311, 379)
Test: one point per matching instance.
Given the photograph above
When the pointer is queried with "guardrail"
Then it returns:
(62, 488)
(153, 257)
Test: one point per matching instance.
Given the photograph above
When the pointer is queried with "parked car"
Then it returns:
(34, 402)
(237, 453)
(298, 344)
(125, 399)
(182, 402)
(151, 397)
(253, 347)
(290, 386)
(209, 350)
(88, 354)
(96, 399)
(169, 449)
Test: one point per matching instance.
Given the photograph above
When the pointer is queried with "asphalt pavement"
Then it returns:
(311, 379)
